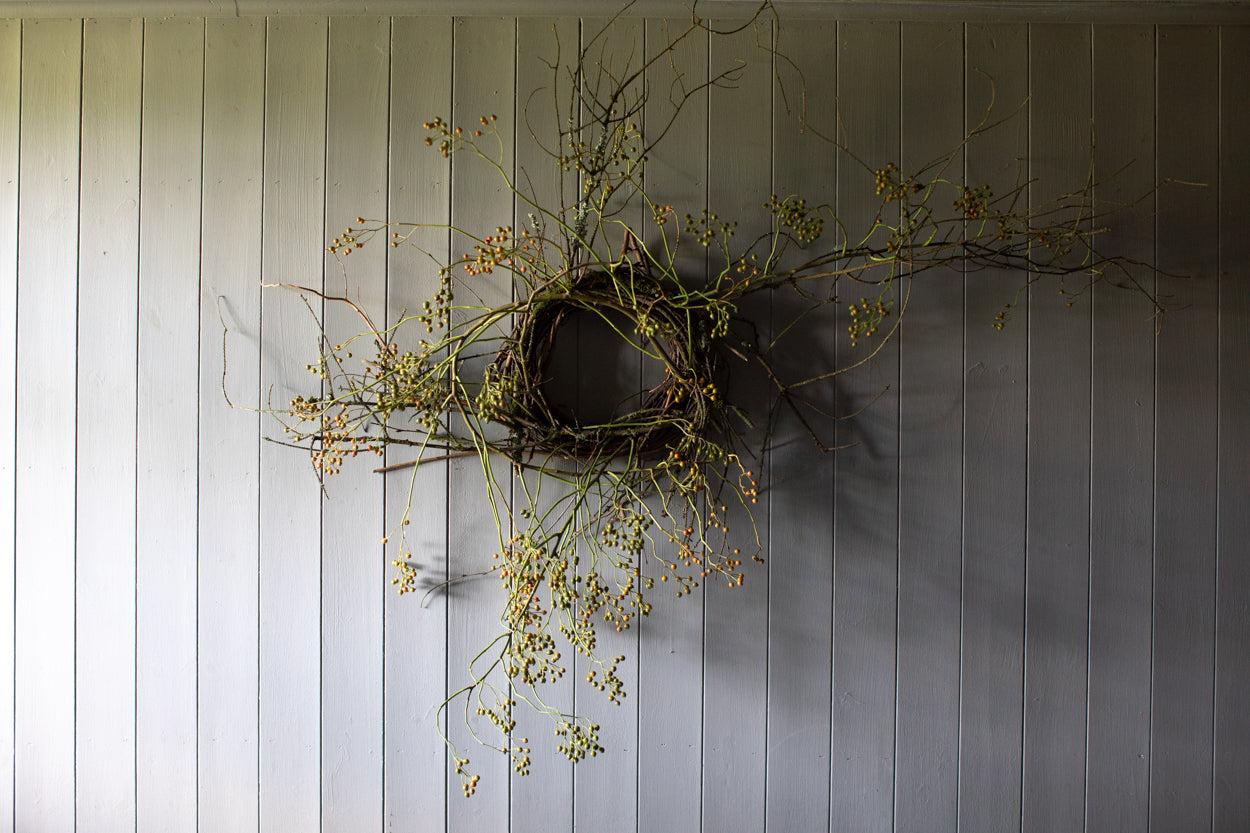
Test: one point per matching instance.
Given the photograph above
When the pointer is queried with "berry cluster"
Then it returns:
(793, 213)
(866, 317)
(502, 248)
(451, 138)
(893, 185)
(708, 228)
(973, 203)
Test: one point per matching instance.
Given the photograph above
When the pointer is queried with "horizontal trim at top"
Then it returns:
(1150, 11)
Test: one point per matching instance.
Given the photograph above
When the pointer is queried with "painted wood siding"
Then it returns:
(1016, 600)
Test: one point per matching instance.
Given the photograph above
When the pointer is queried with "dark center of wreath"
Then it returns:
(598, 369)
(595, 374)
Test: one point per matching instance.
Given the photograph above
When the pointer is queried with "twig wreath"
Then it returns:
(647, 493)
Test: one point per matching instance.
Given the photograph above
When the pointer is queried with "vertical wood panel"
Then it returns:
(556, 793)
(1057, 563)
(352, 522)
(599, 802)
(866, 473)
(1121, 442)
(690, 747)
(107, 315)
(670, 685)
(166, 516)
(290, 516)
(1232, 623)
(931, 455)
(544, 799)
(229, 477)
(1185, 433)
(995, 401)
(414, 757)
(43, 721)
(483, 77)
(10, 133)
(735, 621)
(800, 484)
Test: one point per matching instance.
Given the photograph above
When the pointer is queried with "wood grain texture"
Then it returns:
(107, 302)
(670, 667)
(357, 99)
(44, 534)
(414, 758)
(229, 475)
(735, 621)
(1186, 448)
(930, 458)
(1232, 622)
(599, 801)
(1121, 11)
(1121, 442)
(865, 535)
(546, 798)
(1094, 680)
(800, 484)
(995, 466)
(1057, 561)
(10, 139)
(292, 237)
(483, 84)
(167, 444)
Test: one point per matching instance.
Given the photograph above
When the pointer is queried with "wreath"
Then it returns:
(646, 494)
(662, 328)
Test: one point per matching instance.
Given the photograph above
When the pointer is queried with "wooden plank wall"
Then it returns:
(1017, 600)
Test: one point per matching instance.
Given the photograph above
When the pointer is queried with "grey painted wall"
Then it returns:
(1016, 601)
